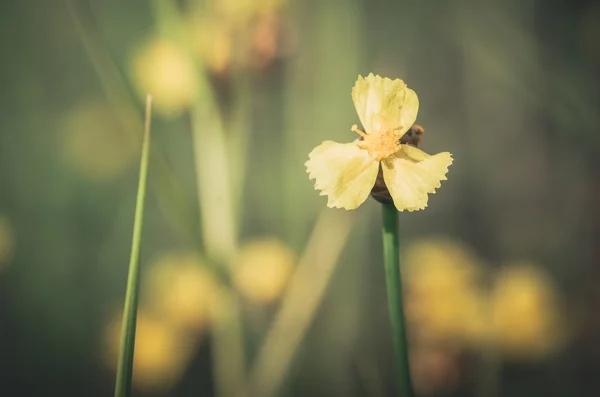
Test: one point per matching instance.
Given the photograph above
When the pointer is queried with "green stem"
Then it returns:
(125, 367)
(394, 296)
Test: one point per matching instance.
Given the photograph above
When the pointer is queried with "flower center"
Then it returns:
(379, 145)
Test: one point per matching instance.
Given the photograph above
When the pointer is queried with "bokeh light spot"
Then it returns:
(263, 269)
(164, 70)
(95, 143)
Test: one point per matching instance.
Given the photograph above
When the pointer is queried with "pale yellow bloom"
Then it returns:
(346, 172)
(263, 269)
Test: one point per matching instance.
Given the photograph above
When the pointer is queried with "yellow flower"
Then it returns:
(346, 172)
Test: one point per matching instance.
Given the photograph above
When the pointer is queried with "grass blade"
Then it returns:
(301, 302)
(125, 367)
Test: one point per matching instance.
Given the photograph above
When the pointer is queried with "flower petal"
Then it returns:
(343, 172)
(382, 103)
(411, 174)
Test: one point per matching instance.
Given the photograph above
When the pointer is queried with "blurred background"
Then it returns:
(250, 286)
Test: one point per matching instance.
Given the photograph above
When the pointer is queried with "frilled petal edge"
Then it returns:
(411, 175)
(342, 172)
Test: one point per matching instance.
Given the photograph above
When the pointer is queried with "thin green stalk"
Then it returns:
(391, 255)
(125, 367)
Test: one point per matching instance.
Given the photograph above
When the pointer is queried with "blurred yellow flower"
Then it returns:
(180, 290)
(443, 299)
(242, 11)
(95, 142)
(161, 351)
(213, 41)
(164, 70)
(236, 34)
(441, 263)
(7, 241)
(525, 312)
(263, 269)
(346, 173)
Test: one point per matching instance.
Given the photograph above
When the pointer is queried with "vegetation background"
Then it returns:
(501, 271)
